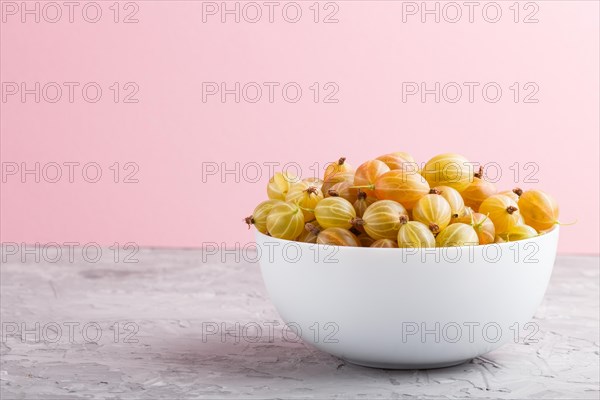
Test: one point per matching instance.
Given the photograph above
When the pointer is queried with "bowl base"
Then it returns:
(385, 365)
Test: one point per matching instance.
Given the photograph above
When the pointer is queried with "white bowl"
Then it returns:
(407, 308)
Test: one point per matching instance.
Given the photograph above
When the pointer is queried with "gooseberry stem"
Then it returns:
(479, 225)
(371, 187)
(249, 220)
(485, 219)
(357, 221)
(311, 190)
(479, 174)
(311, 228)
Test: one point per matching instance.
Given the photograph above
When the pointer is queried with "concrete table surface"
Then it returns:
(106, 330)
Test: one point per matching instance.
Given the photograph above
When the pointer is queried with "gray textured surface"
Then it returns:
(169, 294)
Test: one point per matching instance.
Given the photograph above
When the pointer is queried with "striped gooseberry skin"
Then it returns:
(477, 192)
(486, 232)
(539, 209)
(503, 212)
(285, 221)
(398, 160)
(362, 203)
(344, 190)
(448, 169)
(279, 185)
(401, 186)
(386, 243)
(338, 237)
(260, 213)
(434, 211)
(454, 199)
(367, 173)
(381, 219)
(306, 196)
(335, 212)
(457, 234)
(415, 234)
(339, 171)
(519, 232)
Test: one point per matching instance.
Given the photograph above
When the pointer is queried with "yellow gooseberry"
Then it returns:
(414, 234)
(335, 172)
(478, 190)
(279, 184)
(539, 209)
(448, 169)
(483, 225)
(337, 237)
(454, 199)
(381, 219)
(259, 215)
(367, 173)
(285, 221)
(306, 196)
(434, 211)
(502, 210)
(519, 232)
(335, 212)
(457, 234)
(401, 186)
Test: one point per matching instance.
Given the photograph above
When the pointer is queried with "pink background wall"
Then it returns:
(170, 132)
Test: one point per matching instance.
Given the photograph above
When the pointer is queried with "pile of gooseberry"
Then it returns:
(391, 201)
